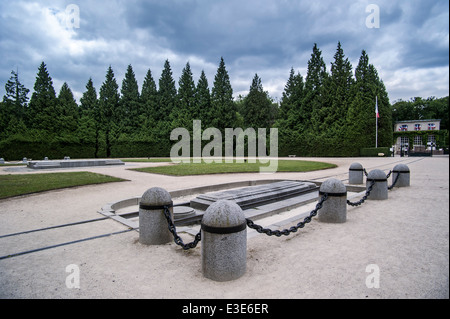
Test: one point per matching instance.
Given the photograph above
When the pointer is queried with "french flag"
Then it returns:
(376, 109)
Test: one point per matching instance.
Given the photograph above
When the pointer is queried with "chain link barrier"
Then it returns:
(268, 231)
(177, 239)
(362, 200)
(395, 181)
(294, 229)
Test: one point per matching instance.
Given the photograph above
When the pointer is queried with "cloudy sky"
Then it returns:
(409, 49)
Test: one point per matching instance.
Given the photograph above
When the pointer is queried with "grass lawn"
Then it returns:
(15, 185)
(223, 168)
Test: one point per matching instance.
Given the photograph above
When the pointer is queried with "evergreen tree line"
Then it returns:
(324, 114)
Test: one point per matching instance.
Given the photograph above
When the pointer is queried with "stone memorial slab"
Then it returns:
(68, 163)
(254, 196)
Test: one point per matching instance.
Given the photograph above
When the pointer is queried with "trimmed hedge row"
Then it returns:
(15, 149)
(373, 152)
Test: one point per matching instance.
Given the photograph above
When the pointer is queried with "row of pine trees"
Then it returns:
(323, 114)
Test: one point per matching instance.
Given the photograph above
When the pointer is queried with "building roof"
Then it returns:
(415, 121)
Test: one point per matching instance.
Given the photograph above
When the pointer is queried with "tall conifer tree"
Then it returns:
(314, 92)
(203, 101)
(130, 107)
(257, 106)
(90, 124)
(42, 107)
(15, 103)
(167, 93)
(109, 101)
(186, 110)
(68, 114)
(223, 107)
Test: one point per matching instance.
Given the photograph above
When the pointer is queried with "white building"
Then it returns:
(416, 126)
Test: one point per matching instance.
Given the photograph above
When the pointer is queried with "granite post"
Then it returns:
(380, 188)
(153, 226)
(224, 241)
(356, 174)
(403, 173)
(334, 209)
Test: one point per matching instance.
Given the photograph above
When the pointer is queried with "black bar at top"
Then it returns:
(153, 207)
(224, 230)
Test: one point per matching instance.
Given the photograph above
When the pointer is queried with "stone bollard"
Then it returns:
(153, 226)
(2, 160)
(380, 188)
(404, 175)
(356, 174)
(224, 241)
(334, 209)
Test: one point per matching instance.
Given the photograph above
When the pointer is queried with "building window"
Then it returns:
(403, 128)
(431, 139)
(417, 140)
(417, 127)
(431, 126)
(404, 141)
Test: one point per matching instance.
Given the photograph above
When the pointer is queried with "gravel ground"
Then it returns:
(404, 239)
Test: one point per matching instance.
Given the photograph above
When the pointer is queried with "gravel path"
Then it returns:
(405, 238)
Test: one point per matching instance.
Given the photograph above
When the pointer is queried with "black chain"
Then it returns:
(395, 181)
(177, 239)
(294, 229)
(389, 174)
(365, 172)
(362, 200)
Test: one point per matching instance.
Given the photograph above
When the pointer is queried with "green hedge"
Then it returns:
(373, 152)
(17, 148)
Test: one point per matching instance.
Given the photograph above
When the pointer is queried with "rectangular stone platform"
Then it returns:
(254, 196)
(72, 163)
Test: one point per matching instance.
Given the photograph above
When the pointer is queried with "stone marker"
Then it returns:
(224, 241)
(334, 209)
(254, 196)
(2, 160)
(25, 160)
(153, 226)
(380, 188)
(356, 174)
(404, 178)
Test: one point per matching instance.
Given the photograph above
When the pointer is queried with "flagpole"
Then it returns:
(376, 125)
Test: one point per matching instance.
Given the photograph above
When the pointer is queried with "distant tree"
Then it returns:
(223, 108)
(167, 94)
(130, 107)
(257, 108)
(109, 101)
(90, 123)
(42, 108)
(419, 108)
(186, 110)
(330, 118)
(67, 111)
(15, 103)
(203, 101)
(291, 105)
(311, 113)
(149, 97)
(361, 119)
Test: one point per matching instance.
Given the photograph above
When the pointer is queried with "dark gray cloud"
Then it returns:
(268, 37)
